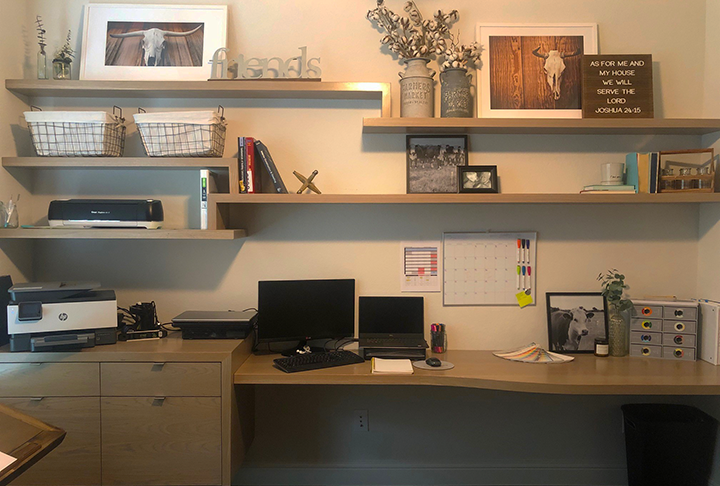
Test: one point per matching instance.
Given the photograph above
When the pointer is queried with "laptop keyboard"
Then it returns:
(391, 341)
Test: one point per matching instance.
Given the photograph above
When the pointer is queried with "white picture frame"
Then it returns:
(483, 33)
(96, 34)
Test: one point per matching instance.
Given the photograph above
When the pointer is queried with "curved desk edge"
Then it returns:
(586, 375)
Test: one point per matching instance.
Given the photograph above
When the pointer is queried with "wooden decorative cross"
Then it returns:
(307, 182)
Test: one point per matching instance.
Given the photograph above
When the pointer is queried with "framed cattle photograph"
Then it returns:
(533, 71)
(151, 42)
(433, 161)
(575, 320)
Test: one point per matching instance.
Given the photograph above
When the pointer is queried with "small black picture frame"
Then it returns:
(571, 333)
(433, 162)
(478, 179)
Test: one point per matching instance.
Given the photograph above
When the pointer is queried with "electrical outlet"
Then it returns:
(361, 421)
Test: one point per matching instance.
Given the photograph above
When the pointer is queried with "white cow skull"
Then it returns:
(554, 68)
(154, 42)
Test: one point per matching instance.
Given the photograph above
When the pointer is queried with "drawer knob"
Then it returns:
(645, 351)
(37, 399)
(646, 338)
(158, 401)
(646, 311)
(679, 326)
(679, 353)
(158, 366)
(647, 324)
(679, 312)
(678, 339)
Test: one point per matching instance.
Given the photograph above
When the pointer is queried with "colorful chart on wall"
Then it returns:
(420, 266)
(488, 268)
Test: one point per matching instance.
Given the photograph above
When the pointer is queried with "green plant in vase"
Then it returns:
(63, 60)
(613, 289)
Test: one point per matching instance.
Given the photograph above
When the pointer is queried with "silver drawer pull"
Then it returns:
(158, 401)
(37, 399)
(158, 366)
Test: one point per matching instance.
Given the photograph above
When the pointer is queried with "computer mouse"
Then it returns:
(434, 362)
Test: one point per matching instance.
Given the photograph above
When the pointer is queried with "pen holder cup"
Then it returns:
(438, 341)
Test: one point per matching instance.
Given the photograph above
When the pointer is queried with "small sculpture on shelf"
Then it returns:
(307, 182)
(63, 60)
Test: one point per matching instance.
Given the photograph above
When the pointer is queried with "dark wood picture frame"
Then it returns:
(434, 167)
(492, 169)
(555, 336)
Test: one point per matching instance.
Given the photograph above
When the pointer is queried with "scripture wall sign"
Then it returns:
(617, 86)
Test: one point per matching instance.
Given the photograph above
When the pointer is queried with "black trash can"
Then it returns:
(668, 444)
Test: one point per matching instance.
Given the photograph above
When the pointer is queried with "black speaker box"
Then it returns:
(5, 284)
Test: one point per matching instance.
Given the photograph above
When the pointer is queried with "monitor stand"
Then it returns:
(302, 348)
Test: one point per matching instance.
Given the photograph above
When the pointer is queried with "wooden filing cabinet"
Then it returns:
(145, 413)
(66, 395)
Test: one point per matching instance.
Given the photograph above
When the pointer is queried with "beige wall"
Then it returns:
(658, 248)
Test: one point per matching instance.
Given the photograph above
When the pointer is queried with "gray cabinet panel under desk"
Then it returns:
(49, 379)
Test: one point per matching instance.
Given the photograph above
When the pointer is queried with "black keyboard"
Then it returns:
(315, 361)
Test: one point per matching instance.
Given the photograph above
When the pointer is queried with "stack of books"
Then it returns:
(642, 173)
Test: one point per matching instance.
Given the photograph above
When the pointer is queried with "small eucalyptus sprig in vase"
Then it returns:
(613, 289)
(41, 55)
(63, 59)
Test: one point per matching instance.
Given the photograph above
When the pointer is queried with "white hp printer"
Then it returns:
(61, 315)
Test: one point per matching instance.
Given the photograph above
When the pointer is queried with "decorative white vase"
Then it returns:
(417, 85)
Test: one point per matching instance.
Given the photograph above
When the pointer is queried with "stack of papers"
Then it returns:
(392, 366)
(5, 460)
(532, 353)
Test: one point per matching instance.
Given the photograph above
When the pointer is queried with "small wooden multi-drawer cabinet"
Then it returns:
(664, 329)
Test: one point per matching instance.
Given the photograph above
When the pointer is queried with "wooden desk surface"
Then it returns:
(587, 375)
(171, 348)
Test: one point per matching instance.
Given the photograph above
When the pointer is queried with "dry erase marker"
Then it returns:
(518, 250)
(523, 273)
(518, 276)
(527, 249)
(529, 272)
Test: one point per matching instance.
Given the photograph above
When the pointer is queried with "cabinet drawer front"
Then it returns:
(685, 327)
(684, 354)
(76, 461)
(639, 324)
(645, 351)
(655, 311)
(687, 313)
(172, 441)
(683, 340)
(160, 379)
(644, 337)
(49, 379)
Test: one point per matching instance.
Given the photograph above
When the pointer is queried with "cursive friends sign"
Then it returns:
(255, 68)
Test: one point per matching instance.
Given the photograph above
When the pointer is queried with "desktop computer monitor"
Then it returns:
(300, 310)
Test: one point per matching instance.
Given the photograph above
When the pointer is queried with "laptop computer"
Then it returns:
(391, 322)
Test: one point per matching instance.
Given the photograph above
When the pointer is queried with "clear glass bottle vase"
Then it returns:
(42, 65)
(618, 332)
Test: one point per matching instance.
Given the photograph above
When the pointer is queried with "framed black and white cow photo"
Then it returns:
(575, 320)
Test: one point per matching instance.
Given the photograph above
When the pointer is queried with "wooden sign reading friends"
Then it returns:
(617, 86)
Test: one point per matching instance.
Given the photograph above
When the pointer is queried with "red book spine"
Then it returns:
(252, 175)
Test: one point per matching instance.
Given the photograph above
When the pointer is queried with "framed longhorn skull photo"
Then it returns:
(151, 42)
(533, 71)
(575, 320)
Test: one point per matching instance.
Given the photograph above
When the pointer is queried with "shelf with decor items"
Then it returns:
(257, 89)
(536, 126)
(506, 198)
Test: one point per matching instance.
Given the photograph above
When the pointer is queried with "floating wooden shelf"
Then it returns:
(691, 198)
(120, 234)
(118, 163)
(569, 126)
(276, 89)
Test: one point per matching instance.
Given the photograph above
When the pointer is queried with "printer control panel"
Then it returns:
(29, 311)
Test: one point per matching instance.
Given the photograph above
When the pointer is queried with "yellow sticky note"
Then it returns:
(524, 299)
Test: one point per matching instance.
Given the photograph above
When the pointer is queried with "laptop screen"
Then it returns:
(391, 315)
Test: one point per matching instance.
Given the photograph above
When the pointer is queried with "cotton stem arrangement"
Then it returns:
(412, 36)
(458, 55)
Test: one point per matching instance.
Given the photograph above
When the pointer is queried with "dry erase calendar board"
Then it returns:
(482, 268)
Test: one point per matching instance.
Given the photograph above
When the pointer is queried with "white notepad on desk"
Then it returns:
(5, 460)
(392, 366)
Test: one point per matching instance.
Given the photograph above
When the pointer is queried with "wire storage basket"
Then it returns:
(77, 133)
(183, 134)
